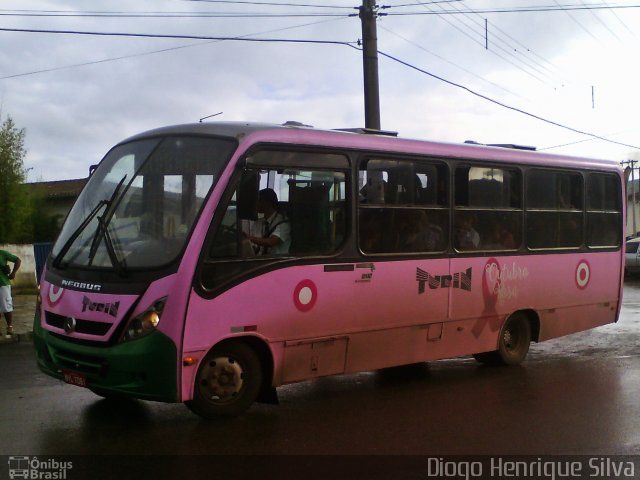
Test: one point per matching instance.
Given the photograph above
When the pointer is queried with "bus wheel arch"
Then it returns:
(514, 338)
(231, 377)
(534, 321)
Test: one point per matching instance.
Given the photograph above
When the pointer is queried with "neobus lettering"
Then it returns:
(94, 287)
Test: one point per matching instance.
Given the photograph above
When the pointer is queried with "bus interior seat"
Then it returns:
(308, 212)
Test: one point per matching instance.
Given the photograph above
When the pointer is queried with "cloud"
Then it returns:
(73, 116)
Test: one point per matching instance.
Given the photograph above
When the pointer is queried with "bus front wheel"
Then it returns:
(513, 343)
(228, 381)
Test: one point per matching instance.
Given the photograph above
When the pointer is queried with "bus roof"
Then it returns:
(380, 141)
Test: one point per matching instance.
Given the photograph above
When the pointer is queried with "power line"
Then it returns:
(420, 3)
(621, 21)
(495, 28)
(561, 8)
(238, 2)
(508, 50)
(530, 63)
(175, 15)
(474, 39)
(602, 22)
(578, 22)
(500, 35)
(581, 141)
(152, 52)
(181, 37)
(509, 107)
(324, 42)
(527, 49)
(469, 72)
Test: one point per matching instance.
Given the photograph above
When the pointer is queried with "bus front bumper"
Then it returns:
(145, 368)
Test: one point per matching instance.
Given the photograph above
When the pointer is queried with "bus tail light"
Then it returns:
(146, 322)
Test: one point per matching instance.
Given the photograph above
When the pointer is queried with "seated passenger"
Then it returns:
(467, 238)
(275, 237)
(418, 234)
(500, 239)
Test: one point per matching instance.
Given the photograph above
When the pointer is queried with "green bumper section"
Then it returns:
(145, 368)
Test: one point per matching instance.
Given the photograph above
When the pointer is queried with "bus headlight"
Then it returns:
(145, 323)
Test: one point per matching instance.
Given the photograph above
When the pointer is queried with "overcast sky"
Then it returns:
(77, 95)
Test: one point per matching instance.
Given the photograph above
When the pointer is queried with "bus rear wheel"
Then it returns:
(513, 343)
(228, 381)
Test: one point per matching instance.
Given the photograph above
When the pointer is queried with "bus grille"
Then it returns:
(88, 327)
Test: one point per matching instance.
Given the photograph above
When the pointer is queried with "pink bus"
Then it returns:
(171, 281)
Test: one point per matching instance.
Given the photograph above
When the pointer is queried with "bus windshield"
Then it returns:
(138, 208)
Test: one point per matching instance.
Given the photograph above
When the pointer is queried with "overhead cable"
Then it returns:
(174, 15)
(240, 2)
(152, 52)
(182, 37)
(504, 105)
(326, 42)
(562, 8)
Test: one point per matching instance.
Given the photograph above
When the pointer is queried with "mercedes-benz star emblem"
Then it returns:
(70, 325)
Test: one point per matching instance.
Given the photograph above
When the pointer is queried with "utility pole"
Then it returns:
(368, 14)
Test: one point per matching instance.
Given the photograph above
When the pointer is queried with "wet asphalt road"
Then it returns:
(574, 395)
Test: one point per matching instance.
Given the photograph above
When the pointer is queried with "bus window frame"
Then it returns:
(261, 265)
(571, 171)
(436, 161)
(587, 210)
(487, 164)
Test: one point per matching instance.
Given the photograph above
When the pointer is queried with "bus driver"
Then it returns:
(276, 230)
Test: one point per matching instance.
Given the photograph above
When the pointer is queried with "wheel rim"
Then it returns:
(221, 379)
(510, 340)
(514, 338)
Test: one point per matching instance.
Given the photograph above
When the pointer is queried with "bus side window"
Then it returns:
(488, 211)
(311, 212)
(555, 209)
(604, 210)
(403, 207)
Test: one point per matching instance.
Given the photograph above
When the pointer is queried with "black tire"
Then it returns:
(486, 358)
(228, 381)
(513, 343)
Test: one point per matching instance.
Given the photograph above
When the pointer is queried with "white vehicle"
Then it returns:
(632, 257)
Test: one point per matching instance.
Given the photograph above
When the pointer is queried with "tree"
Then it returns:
(15, 219)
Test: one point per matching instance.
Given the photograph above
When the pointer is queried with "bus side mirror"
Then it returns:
(248, 196)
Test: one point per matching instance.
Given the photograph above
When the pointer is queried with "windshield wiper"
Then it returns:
(102, 232)
(57, 261)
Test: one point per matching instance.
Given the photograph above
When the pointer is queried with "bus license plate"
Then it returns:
(75, 378)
